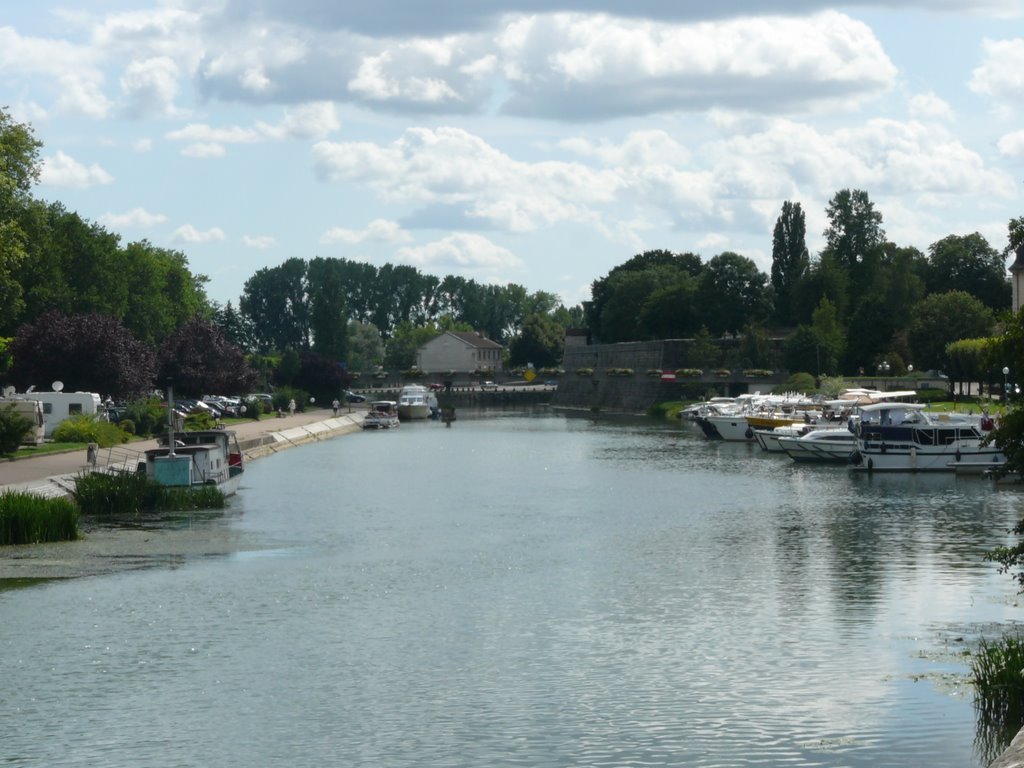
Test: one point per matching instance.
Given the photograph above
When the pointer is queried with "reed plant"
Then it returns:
(997, 669)
(27, 518)
(130, 493)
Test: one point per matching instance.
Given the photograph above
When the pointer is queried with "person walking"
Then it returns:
(291, 406)
(335, 405)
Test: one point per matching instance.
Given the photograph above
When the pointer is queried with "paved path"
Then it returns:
(49, 474)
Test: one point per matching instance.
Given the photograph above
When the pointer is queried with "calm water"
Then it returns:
(529, 590)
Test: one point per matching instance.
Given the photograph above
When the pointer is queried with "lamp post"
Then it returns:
(1006, 372)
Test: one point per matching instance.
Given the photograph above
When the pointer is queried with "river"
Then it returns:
(528, 589)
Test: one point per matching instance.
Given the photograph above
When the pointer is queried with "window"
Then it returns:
(47, 407)
(74, 408)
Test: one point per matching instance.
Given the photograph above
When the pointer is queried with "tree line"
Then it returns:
(862, 300)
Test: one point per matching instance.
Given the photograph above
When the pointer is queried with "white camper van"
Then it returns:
(58, 406)
(32, 410)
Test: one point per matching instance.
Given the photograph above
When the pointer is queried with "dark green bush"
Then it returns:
(147, 415)
(13, 427)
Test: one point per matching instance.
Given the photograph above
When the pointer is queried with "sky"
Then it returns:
(533, 142)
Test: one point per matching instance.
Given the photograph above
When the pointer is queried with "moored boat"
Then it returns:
(415, 401)
(830, 445)
(382, 414)
(203, 457)
(904, 437)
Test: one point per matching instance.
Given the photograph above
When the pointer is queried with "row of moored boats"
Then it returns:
(867, 429)
(414, 402)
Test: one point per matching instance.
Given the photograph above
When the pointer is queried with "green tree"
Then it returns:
(327, 316)
(274, 301)
(968, 263)
(943, 318)
(540, 341)
(702, 351)
(19, 171)
(790, 260)
(669, 311)
(400, 350)
(733, 294)
(854, 227)
(365, 346)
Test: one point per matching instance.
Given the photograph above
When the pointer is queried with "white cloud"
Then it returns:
(1012, 144)
(307, 121)
(1001, 74)
(379, 230)
(189, 234)
(137, 218)
(928, 105)
(260, 242)
(61, 170)
(598, 66)
(150, 87)
(460, 253)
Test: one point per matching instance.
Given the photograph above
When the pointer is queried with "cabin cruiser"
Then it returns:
(828, 445)
(904, 437)
(382, 414)
(416, 401)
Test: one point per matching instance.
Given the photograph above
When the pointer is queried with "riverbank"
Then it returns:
(108, 546)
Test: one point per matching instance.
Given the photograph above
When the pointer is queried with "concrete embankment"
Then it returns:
(53, 474)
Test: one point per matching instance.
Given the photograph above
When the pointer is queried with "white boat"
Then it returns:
(829, 445)
(199, 458)
(415, 401)
(382, 414)
(904, 437)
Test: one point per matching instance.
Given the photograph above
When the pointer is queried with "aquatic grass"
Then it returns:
(997, 669)
(27, 518)
(130, 493)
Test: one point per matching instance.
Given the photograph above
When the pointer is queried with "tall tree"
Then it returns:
(327, 314)
(942, 318)
(968, 263)
(734, 293)
(274, 300)
(854, 227)
(19, 170)
(540, 342)
(790, 260)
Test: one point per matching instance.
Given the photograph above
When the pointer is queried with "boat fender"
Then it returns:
(958, 454)
(883, 447)
(871, 465)
(749, 434)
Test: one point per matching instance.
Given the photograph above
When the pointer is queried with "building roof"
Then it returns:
(475, 339)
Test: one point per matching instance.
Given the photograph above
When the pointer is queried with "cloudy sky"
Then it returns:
(539, 142)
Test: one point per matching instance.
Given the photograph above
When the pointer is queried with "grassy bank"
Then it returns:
(26, 518)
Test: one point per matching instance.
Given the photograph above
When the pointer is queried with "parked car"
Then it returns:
(353, 397)
(489, 385)
(436, 386)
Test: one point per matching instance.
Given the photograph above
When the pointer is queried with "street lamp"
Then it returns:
(1006, 372)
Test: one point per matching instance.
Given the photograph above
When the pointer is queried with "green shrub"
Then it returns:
(127, 425)
(199, 421)
(26, 518)
(83, 428)
(13, 427)
(147, 415)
